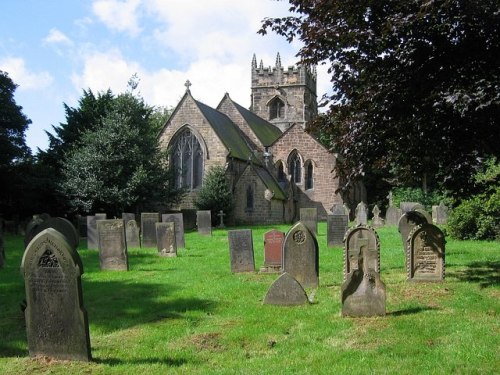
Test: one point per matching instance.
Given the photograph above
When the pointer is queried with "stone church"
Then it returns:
(274, 167)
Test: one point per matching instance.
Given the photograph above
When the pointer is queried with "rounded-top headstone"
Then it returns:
(286, 291)
(62, 225)
(362, 235)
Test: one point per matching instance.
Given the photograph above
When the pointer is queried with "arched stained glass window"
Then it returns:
(295, 167)
(187, 160)
(276, 109)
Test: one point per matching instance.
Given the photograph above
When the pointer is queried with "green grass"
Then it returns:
(191, 315)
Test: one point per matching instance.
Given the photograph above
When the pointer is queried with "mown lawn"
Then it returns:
(191, 315)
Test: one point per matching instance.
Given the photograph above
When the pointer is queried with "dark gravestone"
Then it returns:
(241, 250)
(273, 246)
(31, 227)
(392, 215)
(204, 222)
(56, 321)
(148, 228)
(63, 226)
(165, 239)
(112, 245)
(309, 216)
(361, 214)
(301, 256)
(352, 245)
(427, 216)
(92, 240)
(407, 222)
(132, 234)
(179, 227)
(127, 216)
(286, 291)
(426, 253)
(337, 225)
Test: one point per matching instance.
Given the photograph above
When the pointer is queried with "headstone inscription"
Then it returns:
(361, 214)
(92, 240)
(56, 321)
(407, 222)
(273, 245)
(392, 215)
(286, 291)
(165, 239)
(204, 222)
(148, 228)
(241, 250)
(377, 221)
(309, 216)
(440, 214)
(337, 226)
(301, 256)
(178, 219)
(353, 241)
(132, 234)
(426, 253)
(112, 245)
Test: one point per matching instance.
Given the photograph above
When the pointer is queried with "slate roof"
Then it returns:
(270, 183)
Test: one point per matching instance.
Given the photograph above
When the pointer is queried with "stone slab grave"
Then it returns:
(352, 245)
(392, 215)
(426, 253)
(178, 219)
(127, 216)
(92, 240)
(407, 222)
(336, 227)
(440, 214)
(241, 250)
(273, 246)
(132, 234)
(286, 291)
(361, 214)
(204, 222)
(112, 245)
(309, 216)
(301, 256)
(62, 225)
(165, 239)
(56, 321)
(377, 221)
(148, 228)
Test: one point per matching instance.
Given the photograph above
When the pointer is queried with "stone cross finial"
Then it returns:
(188, 85)
(221, 214)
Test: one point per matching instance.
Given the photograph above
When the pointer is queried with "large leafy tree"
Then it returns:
(416, 88)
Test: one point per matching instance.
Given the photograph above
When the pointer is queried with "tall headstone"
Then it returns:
(148, 228)
(407, 222)
(241, 250)
(62, 225)
(301, 256)
(178, 219)
(273, 245)
(132, 234)
(204, 222)
(165, 239)
(392, 215)
(286, 291)
(355, 239)
(56, 321)
(337, 225)
(127, 216)
(309, 216)
(92, 240)
(426, 253)
(361, 214)
(112, 245)
(377, 221)
(440, 214)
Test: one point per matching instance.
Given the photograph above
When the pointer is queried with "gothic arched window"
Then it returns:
(187, 160)
(281, 171)
(309, 175)
(276, 109)
(295, 167)
(249, 206)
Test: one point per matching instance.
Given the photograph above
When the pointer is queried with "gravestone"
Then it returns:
(355, 238)
(204, 222)
(309, 216)
(339, 209)
(377, 221)
(426, 253)
(361, 214)
(408, 206)
(165, 239)
(112, 245)
(31, 227)
(127, 216)
(148, 228)
(56, 321)
(427, 216)
(286, 291)
(392, 215)
(273, 245)
(440, 214)
(221, 215)
(92, 240)
(178, 219)
(241, 250)
(63, 226)
(407, 222)
(301, 256)
(132, 234)
(337, 226)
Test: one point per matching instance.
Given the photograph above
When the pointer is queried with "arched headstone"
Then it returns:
(355, 238)
(407, 222)
(426, 253)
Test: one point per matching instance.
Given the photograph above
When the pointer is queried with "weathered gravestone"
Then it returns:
(339, 209)
(392, 215)
(409, 206)
(204, 222)
(31, 228)
(377, 221)
(440, 214)
(337, 226)
(178, 219)
(92, 240)
(353, 241)
(422, 211)
(361, 214)
(309, 216)
(112, 245)
(407, 222)
(165, 239)
(286, 291)
(62, 225)
(148, 228)
(426, 254)
(127, 216)
(56, 321)
(273, 245)
(301, 256)
(241, 250)
(132, 234)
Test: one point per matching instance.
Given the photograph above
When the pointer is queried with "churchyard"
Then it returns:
(190, 314)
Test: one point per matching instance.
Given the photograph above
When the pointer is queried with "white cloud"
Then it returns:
(16, 67)
(57, 37)
(119, 15)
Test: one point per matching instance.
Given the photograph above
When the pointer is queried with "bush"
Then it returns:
(215, 193)
(412, 194)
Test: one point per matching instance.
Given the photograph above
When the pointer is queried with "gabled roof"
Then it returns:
(270, 182)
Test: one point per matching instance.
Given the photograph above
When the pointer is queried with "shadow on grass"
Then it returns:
(171, 362)
(410, 311)
(485, 273)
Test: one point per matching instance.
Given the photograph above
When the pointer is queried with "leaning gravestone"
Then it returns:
(361, 214)
(204, 222)
(356, 239)
(132, 234)
(179, 227)
(165, 239)
(440, 214)
(241, 250)
(337, 225)
(286, 291)
(56, 321)
(148, 228)
(407, 222)
(309, 216)
(112, 245)
(301, 256)
(392, 215)
(273, 244)
(426, 254)
(92, 240)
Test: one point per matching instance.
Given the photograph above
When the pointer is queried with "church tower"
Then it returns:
(283, 97)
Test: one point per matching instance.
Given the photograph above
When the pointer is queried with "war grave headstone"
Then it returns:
(92, 240)
(241, 250)
(337, 225)
(204, 222)
(127, 216)
(112, 245)
(309, 216)
(407, 222)
(132, 234)
(361, 214)
(377, 221)
(354, 239)
(440, 214)
(273, 246)
(286, 291)
(165, 239)
(178, 219)
(392, 215)
(426, 253)
(56, 321)
(301, 256)
(148, 228)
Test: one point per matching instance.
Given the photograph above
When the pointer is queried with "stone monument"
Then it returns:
(165, 239)
(132, 234)
(354, 239)
(241, 250)
(309, 216)
(112, 245)
(178, 219)
(426, 253)
(148, 228)
(273, 246)
(337, 225)
(204, 222)
(286, 291)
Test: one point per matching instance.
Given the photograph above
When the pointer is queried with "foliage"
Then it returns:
(409, 194)
(415, 85)
(215, 193)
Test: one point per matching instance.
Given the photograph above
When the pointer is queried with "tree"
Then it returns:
(215, 194)
(416, 89)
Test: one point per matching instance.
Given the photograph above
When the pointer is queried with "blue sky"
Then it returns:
(54, 49)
